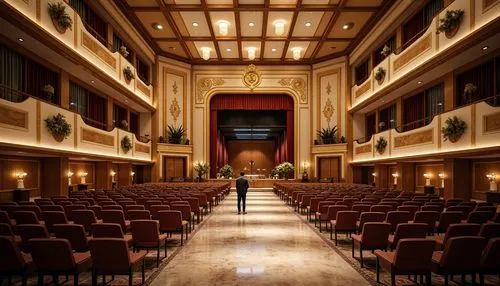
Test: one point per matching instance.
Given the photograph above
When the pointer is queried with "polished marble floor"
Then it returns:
(268, 246)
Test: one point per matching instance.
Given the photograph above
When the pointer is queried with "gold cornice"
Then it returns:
(204, 85)
(174, 148)
(296, 84)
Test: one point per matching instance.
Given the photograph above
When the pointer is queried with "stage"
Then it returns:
(254, 183)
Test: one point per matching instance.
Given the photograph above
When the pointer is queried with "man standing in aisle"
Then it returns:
(241, 190)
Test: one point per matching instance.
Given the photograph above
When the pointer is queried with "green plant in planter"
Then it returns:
(454, 128)
(175, 134)
(451, 21)
(48, 91)
(58, 127)
(386, 51)
(380, 145)
(469, 91)
(328, 135)
(380, 75)
(126, 144)
(226, 171)
(60, 18)
(128, 74)
(123, 51)
(285, 169)
(201, 168)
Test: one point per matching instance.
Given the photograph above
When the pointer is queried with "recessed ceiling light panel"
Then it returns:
(308, 24)
(157, 26)
(348, 26)
(195, 24)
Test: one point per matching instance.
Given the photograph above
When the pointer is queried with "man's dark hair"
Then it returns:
(242, 173)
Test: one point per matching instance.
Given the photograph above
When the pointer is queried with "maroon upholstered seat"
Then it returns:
(369, 217)
(490, 230)
(410, 209)
(26, 217)
(490, 259)
(428, 217)
(479, 217)
(53, 256)
(397, 217)
(156, 208)
(116, 216)
(454, 230)
(345, 222)
(374, 235)
(446, 218)
(407, 230)
(171, 221)
(461, 256)
(29, 231)
(146, 234)
(186, 213)
(411, 257)
(75, 234)
(110, 230)
(85, 218)
(331, 213)
(466, 210)
(110, 256)
(5, 218)
(13, 261)
(52, 218)
(138, 214)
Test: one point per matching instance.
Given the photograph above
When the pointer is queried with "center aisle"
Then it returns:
(268, 246)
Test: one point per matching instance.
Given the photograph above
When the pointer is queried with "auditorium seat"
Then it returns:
(331, 214)
(381, 208)
(138, 215)
(110, 230)
(29, 231)
(461, 256)
(345, 222)
(370, 217)
(454, 230)
(5, 218)
(110, 256)
(146, 234)
(461, 208)
(51, 208)
(196, 208)
(479, 217)
(490, 231)
(26, 217)
(85, 218)
(407, 230)
(374, 235)
(171, 221)
(53, 256)
(446, 218)
(116, 216)
(75, 234)
(6, 230)
(490, 259)
(410, 209)
(13, 262)
(156, 208)
(397, 217)
(187, 215)
(411, 257)
(428, 217)
(52, 218)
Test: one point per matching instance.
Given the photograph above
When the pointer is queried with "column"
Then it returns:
(449, 91)
(124, 178)
(406, 180)
(54, 176)
(103, 179)
(458, 179)
(382, 176)
(64, 89)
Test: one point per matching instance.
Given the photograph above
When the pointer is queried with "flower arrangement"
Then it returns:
(58, 127)
(380, 145)
(469, 91)
(128, 74)
(175, 134)
(451, 22)
(380, 75)
(123, 51)
(60, 18)
(328, 135)
(386, 51)
(201, 168)
(126, 144)
(454, 128)
(226, 171)
(284, 169)
(48, 91)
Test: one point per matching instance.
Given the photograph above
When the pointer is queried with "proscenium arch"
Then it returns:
(282, 90)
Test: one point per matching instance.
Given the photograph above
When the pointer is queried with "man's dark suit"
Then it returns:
(241, 189)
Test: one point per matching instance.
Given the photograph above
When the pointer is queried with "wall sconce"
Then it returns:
(132, 174)
(441, 176)
(296, 53)
(493, 181)
(279, 28)
(205, 53)
(20, 179)
(427, 177)
(70, 174)
(305, 165)
(83, 175)
(223, 27)
(395, 180)
(251, 53)
(374, 176)
(113, 174)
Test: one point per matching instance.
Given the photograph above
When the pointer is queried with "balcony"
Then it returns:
(482, 132)
(81, 41)
(22, 124)
(428, 46)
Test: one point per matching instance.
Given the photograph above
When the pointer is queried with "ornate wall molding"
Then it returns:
(143, 88)
(175, 109)
(297, 84)
(328, 110)
(97, 138)
(413, 52)
(252, 77)
(364, 149)
(141, 148)
(426, 136)
(491, 123)
(89, 43)
(12, 118)
(364, 88)
(206, 84)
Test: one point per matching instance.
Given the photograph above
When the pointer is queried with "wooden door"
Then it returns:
(174, 167)
(329, 167)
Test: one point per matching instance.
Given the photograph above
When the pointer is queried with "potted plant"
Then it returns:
(58, 127)
(124, 52)
(226, 171)
(469, 91)
(451, 22)
(201, 168)
(126, 144)
(128, 74)
(380, 75)
(48, 91)
(380, 145)
(453, 129)
(175, 134)
(186, 141)
(328, 135)
(60, 18)
(284, 169)
(386, 51)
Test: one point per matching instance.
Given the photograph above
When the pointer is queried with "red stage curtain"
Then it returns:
(218, 148)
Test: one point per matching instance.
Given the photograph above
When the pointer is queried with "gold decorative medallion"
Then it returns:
(297, 84)
(174, 88)
(328, 110)
(328, 88)
(251, 77)
(206, 84)
(175, 109)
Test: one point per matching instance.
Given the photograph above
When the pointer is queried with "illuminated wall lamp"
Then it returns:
(251, 53)
(374, 176)
(296, 53)
(113, 174)
(441, 176)
(132, 174)
(20, 179)
(83, 176)
(395, 178)
(205, 53)
(70, 174)
(427, 177)
(305, 165)
(493, 181)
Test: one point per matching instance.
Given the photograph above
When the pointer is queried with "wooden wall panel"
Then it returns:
(124, 178)
(458, 180)
(241, 152)
(55, 176)
(9, 167)
(433, 169)
(381, 179)
(407, 177)
(329, 167)
(79, 167)
(102, 175)
(480, 183)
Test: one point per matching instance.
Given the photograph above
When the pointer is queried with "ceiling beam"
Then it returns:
(292, 27)
(265, 18)
(255, 39)
(174, 27)
(238, 29)
(211, 28)
(328, 29)
(243, 7)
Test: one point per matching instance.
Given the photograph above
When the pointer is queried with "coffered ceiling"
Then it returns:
(316, 29)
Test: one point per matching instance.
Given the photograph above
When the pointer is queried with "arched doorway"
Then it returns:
(246, 109)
